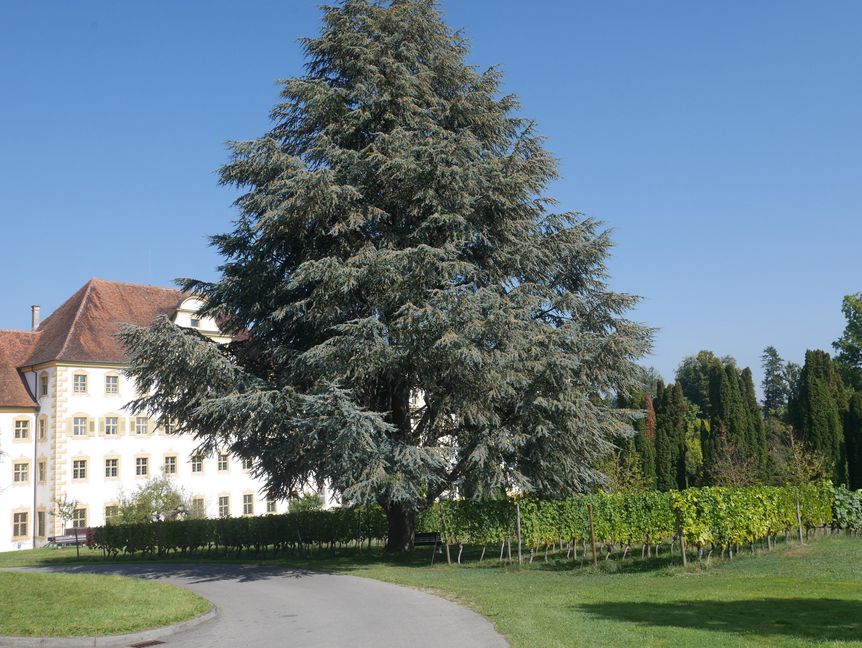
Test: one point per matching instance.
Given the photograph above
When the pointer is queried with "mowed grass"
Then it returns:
(793, 596)
(59, 605)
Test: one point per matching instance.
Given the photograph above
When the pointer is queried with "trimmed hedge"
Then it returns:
(721, 517)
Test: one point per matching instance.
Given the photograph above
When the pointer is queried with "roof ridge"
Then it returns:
(84, 298)
(130, 283)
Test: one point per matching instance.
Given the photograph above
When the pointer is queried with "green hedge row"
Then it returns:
(706, 516)
(233, 535)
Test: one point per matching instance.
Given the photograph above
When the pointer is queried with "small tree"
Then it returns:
(797, 464)
(732, 466)
(624, 472)
(65, 510)
(308, 501)
(156, 501)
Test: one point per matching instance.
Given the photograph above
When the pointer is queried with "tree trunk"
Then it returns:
(402, 529)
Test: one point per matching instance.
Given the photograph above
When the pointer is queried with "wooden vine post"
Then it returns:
(518, 530)
(592, 534)
(681, 538)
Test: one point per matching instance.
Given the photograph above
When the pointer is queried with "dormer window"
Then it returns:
(196, 322)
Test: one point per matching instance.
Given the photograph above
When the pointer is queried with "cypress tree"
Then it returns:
(816, 410)
(756, 438)
(414, 317)
(853, 442)
(775, 386)
(644, 442)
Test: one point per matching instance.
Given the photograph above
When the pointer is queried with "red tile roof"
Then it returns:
(82, 329)
(15, 348)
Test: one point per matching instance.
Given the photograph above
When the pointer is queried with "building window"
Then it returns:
(20, 473)
(270, 505)
(79, 426)
(170, 428)
(112, 468)
(43, 385)
(197, 463)
(196, 322)
(141, 425)
(246, 464)
(112, 384)
(40, 524)
(43, 428)
(222, 462)
(142, 466)
(224, 506)
(112, 425)
(22, 429)
(79, 383)
(112, 514)
(248, 504)
(170, 467)
(79, 518)
(79, 469)
(19, 525)
(198, 508)
(42, 467)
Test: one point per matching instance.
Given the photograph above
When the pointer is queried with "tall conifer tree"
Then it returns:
(414, 317)
(817, 408)
(853, 442)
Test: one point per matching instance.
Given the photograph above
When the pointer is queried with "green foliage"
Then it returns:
(394, 240)
(159, 499)
(847, 509)
(305, 502)
(712, 515)
(849, 346)
(817, 408)
(775, 385)
(693, 376)
(853, 442)
(670, 435)
(233, 535)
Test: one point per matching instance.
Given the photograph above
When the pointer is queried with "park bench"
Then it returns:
(427, 539)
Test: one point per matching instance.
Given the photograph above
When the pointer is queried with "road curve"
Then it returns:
(270, 607)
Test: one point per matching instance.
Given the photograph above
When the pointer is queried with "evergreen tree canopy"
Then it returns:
(853, 441)
(849, 345)
(413, 313)
(776, 389)
(693, 376)
(735, 420)
(671, 426)
(817, 408)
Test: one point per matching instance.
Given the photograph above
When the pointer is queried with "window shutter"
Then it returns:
(121, 425)
(70, 425)
(92, 423)
(150, 425)
(101, 425)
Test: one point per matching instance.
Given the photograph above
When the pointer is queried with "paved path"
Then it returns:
(268, 607)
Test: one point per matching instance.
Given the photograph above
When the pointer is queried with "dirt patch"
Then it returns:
(798, 551)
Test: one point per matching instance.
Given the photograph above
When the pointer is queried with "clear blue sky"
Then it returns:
(721, 141)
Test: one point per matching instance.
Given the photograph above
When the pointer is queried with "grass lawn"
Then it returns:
(56, 605)
(794, 596)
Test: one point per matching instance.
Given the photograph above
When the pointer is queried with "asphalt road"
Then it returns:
(268, 607)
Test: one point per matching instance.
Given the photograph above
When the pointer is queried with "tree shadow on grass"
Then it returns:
(814, 619)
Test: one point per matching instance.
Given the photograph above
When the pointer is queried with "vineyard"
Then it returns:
(705, 519)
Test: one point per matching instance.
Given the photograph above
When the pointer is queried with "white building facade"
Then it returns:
(65, 433)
